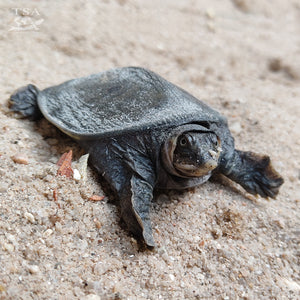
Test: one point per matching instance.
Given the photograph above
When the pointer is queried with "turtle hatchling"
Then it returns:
(143, 132)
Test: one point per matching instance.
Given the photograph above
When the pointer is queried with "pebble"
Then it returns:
(20, 158)
(91, 297)
(291, 284)
(26, 178)
(33, 269)
(100, 268)
(211, 27)
(82, 166)
(76, 175)
(29, 217)
(210, 13)
(47, 232)
(3, 187)
(243, 5)
(280, 223)
(52, 141)
(236, 127)
(96, 198)
(275, 64)
(8, 247)
(58, 227)
(11, 238)
(97, 223)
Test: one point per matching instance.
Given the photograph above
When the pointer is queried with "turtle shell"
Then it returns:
(120, 100)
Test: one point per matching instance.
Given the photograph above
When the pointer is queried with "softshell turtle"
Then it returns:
(143, 132)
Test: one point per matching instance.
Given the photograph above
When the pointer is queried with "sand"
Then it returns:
(242, 57)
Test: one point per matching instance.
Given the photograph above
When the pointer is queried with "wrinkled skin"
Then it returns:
(169, 156)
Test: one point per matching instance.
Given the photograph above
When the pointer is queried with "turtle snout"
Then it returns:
(213, 153)
(210, 159)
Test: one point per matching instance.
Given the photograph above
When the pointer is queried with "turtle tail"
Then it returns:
(24, 101)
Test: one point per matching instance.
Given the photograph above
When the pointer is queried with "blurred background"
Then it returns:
(242, 57)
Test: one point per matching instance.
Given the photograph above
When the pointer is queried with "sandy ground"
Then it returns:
(214, 242)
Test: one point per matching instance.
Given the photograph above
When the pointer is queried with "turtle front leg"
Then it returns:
(135, 204)
(253, 172)
(130, 172)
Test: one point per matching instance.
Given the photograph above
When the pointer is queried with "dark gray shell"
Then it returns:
(120, 100)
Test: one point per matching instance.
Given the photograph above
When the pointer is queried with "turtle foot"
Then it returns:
(254, 173)
(24, 101)
(262, 179)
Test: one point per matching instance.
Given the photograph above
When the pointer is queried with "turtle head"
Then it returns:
(191, 151)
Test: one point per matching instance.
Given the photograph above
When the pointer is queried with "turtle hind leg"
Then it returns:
(254, 173)
(24, 101)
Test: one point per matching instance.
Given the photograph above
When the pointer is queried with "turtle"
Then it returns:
(144, 133)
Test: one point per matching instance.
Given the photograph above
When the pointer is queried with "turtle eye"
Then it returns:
(182, 141)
